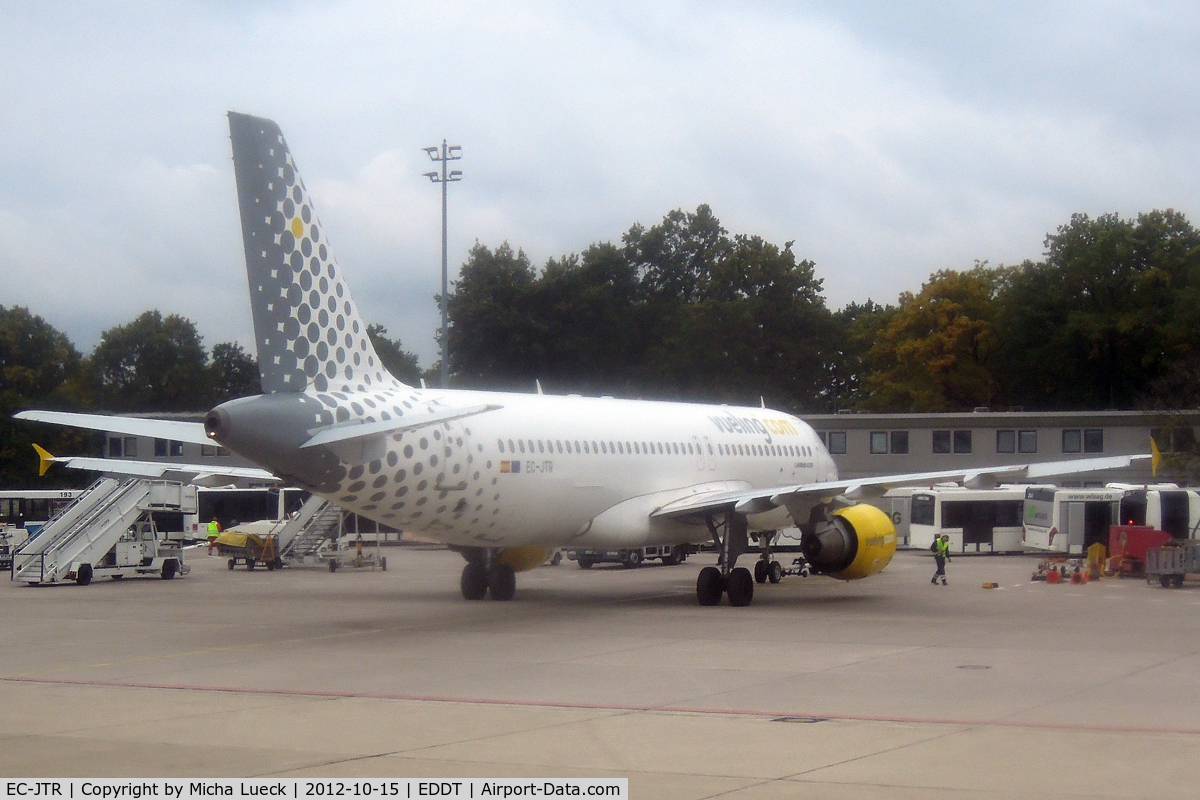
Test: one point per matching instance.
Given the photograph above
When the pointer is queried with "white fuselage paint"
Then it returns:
(541, 469)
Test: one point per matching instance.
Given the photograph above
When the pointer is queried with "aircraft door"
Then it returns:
(700, 460)
(710, 458)
(456, 450)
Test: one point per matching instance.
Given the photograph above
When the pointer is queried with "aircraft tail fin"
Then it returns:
(309, 334)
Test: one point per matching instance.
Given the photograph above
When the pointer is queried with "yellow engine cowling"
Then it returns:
(860, 541)
(525, 558)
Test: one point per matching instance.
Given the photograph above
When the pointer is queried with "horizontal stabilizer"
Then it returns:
(190, 432)
(352, 431)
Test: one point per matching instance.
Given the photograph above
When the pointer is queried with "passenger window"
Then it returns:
(577, 450)
(541, 449)
(531, 446)
(511, 449)
(522, 443)
(500, 442)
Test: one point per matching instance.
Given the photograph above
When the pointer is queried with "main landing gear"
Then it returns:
(725, 578)
(484, 575)
(766, 568)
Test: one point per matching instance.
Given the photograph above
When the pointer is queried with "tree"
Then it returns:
(1109, 311)
(856, 328)
(935, 352)
(494, 337)
(232, 373)
(37, 367)
(154, 363)
(395, 359)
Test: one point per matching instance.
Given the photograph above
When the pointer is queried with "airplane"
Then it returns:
(504, 478)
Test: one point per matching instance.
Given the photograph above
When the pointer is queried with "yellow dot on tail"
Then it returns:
(297, 227)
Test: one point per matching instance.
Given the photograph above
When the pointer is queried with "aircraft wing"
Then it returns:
(199, 474)
(190, 432)
(757, 501)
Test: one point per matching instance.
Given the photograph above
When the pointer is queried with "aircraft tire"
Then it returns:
(474, 581)
(502, 582)
(710, 585)
(760, 571)
(775, 572)
(741, 587)
(634, 559)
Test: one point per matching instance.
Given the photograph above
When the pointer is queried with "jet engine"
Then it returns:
(857, 542)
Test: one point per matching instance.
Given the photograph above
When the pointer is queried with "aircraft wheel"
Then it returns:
(709, 586)
(760, 571)
(775, 572)
(502, 582)
(556, 559)
(741, 587)
(634, 559)
(83, 575)
(474, 581)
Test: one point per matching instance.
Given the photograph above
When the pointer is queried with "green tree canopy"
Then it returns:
(154, 363)
(232, 373)
(395, 359)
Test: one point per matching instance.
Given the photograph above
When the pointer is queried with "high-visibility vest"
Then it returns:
(214, 529)
(943, 548)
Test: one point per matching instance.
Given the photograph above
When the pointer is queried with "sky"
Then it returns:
(888, 140)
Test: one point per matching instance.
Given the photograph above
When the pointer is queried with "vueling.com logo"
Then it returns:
(750, 425)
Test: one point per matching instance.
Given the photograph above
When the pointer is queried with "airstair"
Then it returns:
(86, 530)
(306, 537)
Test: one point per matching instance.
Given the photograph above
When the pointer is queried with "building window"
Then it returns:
(1174, 440)
(131, 447)
(941, 441)
(1027, 442)
(821, 435)
(176, 448)
(160, 448)
(900, 442)
(962, 441)
(211, 450)
(879, 442)
(1006, 441)
(837, 443)
(1093, 440)
(1072, 440)
(114, 447)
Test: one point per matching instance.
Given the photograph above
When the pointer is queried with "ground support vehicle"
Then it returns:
(250, 549)
(1170, 564)
(670, 555)
(109, 529)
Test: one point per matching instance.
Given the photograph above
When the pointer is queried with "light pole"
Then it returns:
(444, 155)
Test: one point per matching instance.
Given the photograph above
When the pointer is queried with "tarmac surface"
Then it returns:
(883, 688)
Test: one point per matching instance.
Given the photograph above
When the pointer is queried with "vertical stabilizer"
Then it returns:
(309, 334)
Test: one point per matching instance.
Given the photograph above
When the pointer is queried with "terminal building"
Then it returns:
(863, 445)
(867, 444)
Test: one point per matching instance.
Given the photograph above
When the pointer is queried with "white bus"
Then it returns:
(976, 520)
(31, 508)
(232, 506)
(1072, 520)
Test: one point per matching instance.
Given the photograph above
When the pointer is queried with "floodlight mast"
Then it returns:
(444, 156)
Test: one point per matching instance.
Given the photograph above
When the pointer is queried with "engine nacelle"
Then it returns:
(859, 541)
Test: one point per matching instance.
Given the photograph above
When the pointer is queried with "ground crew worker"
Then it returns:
(214, 530)
(941, 554)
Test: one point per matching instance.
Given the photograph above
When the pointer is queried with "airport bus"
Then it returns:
(233, 506)
(1072, 520)
(31, 508)
(976, 520)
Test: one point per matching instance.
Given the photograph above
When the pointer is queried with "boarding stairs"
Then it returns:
(305, 537)
(84, 531)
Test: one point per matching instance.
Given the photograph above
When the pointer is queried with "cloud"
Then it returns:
(889, 140)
